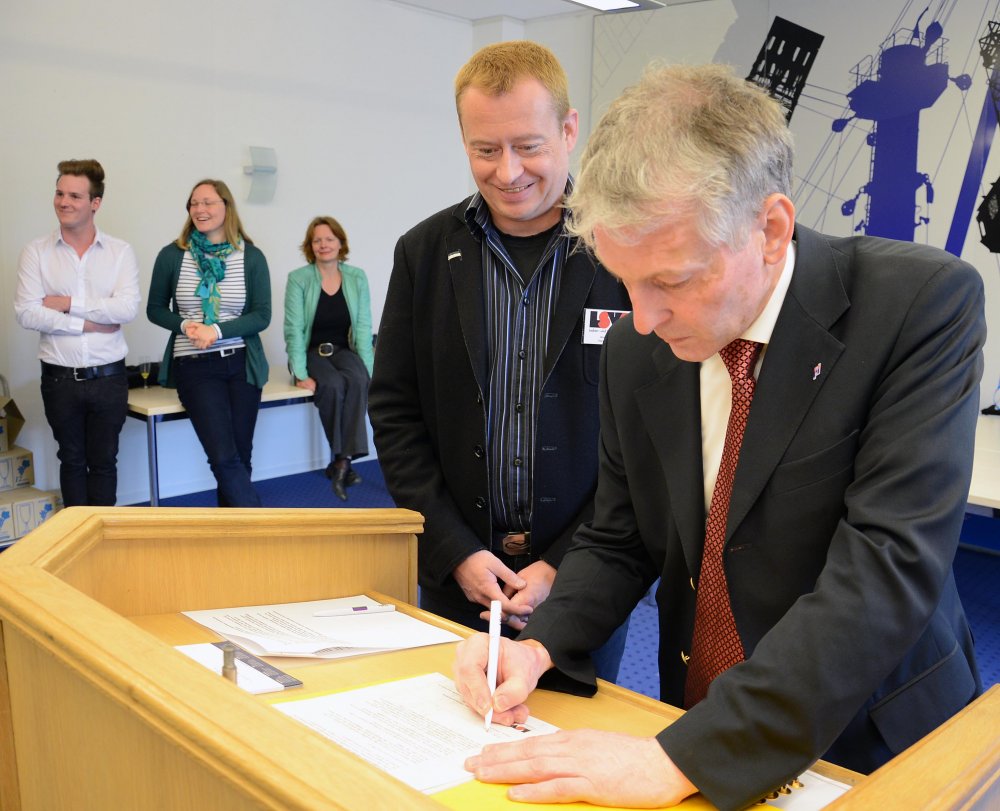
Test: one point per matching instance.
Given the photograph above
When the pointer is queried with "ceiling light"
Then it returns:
(621, 5)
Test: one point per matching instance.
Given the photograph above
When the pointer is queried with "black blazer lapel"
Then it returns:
(576, 280)
(799, 357)
(465, 262)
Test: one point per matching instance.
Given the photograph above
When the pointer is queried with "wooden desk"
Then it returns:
(156, 404)
(612, 709)
(968, 745)
(985, 488)
(97, 711)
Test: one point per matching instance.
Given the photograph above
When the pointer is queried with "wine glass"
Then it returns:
(145, 366)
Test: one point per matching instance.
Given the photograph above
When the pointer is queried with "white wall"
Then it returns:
(356, 102)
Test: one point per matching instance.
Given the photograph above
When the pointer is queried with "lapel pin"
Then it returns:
(817, 370)
(454, 255)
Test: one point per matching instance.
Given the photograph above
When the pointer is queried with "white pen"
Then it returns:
(351, 610)
(493, 658)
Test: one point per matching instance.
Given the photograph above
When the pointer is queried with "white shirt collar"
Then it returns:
(98, 237)
(760, 330)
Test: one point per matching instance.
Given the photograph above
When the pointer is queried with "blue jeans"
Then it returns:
(223, 409)
(86, 417)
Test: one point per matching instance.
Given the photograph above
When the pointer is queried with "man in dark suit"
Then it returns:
(833, 574)
(484, 393)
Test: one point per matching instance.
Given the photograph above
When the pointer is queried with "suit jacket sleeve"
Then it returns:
(609, 559)
(295, 323)
(162, 287)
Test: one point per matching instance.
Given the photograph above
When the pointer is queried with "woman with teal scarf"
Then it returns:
(212, 291)
(328, 337)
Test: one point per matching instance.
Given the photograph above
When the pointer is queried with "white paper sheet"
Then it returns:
(816, 792)
(291, 629)
(247, 678)
(417, 730)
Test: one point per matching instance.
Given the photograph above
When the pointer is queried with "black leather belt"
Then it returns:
(84, 372)
(215, 353)
(514, 543)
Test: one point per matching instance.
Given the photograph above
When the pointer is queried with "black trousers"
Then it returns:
(86, 417)
(342, 400)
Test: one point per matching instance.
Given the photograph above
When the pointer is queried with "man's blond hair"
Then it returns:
(496, 68)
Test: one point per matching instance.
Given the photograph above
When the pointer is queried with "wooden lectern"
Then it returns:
(97, 711)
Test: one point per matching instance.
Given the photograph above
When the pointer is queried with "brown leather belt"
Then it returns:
(516, 543)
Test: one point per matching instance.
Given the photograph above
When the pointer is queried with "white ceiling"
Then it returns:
(483, 9)
(518, 9)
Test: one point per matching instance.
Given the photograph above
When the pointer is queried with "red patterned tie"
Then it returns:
(716, 645)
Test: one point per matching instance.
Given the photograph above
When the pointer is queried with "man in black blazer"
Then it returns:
(848, 494)
(484, 393)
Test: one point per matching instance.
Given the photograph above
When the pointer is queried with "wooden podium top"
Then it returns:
(98, 711)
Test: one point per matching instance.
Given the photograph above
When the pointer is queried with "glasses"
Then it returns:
(203, 203)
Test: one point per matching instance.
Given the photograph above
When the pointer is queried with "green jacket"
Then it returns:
(161, 309)
(301, 297)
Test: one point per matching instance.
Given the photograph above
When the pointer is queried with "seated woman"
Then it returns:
(328, 337)
(211, 290)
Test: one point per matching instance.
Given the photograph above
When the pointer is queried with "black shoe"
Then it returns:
(329, 471)
(339, 477)
(352, 478)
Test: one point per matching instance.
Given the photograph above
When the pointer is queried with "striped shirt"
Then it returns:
(517, 332)
(233, 297)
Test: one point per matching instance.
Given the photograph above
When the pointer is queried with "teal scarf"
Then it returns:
(211, 259)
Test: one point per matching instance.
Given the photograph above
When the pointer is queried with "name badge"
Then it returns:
(596, 324)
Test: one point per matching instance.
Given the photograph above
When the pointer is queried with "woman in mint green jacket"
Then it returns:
(328, 338)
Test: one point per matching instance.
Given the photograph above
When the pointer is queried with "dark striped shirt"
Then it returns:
(517, 331)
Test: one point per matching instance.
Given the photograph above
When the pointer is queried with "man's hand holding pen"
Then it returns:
(605, 768)
(519, 667)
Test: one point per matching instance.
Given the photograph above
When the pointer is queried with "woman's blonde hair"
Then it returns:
(231, 226)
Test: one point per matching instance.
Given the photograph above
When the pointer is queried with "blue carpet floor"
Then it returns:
(977, 570)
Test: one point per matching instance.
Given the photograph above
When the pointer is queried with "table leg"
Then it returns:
(154, 474)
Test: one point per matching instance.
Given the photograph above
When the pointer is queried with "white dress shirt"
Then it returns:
(717, 386)
(103, 286)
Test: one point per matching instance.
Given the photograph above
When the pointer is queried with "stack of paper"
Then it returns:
(327, 629)
(251, 679)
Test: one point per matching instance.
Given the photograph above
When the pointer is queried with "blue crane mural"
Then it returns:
(907, 75)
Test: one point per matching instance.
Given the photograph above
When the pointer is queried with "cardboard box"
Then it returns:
(17, 469)
(24, 509)
(11, 422)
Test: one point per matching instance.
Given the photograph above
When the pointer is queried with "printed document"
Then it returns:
(418, 730)
(293, 629)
